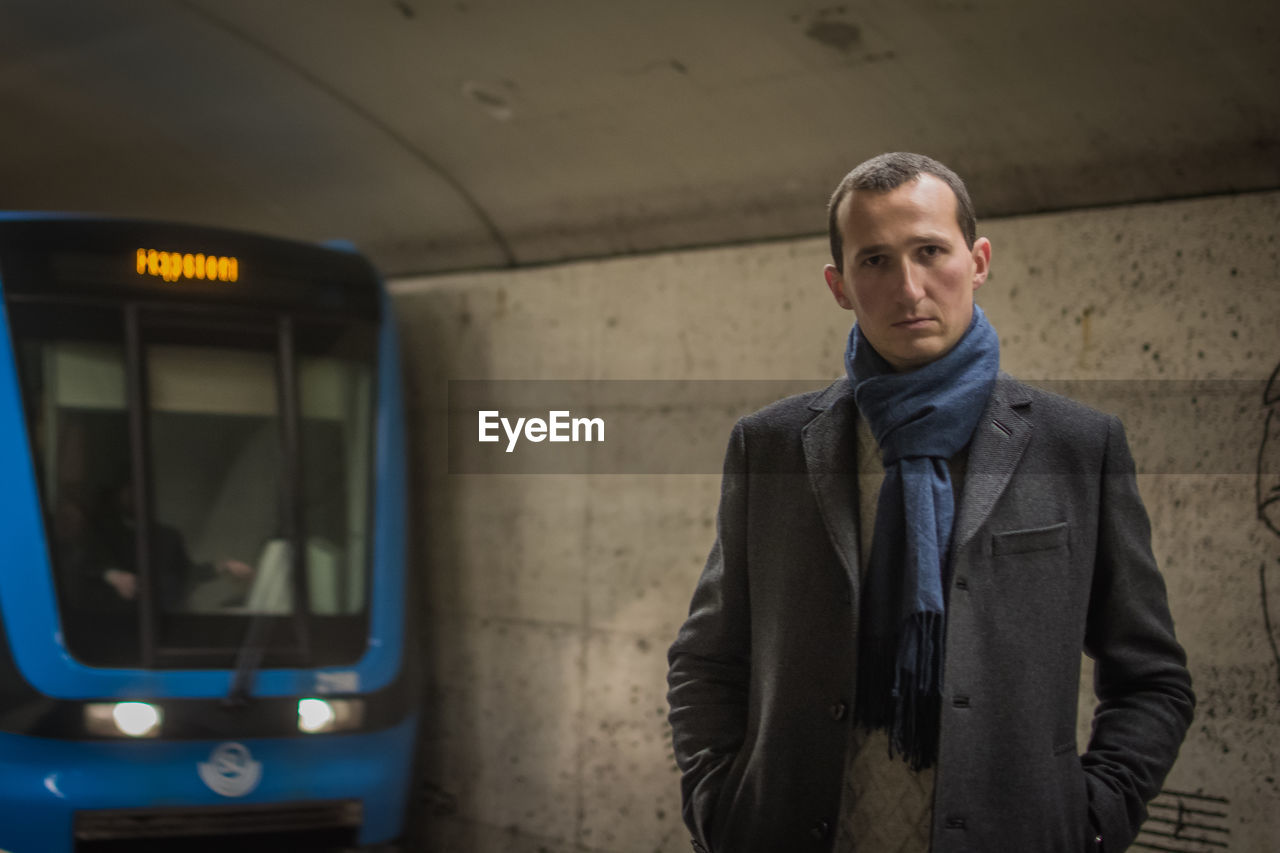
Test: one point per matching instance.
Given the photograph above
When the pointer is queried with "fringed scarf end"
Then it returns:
(900, 688)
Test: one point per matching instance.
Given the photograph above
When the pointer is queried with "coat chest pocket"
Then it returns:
(1030, 539)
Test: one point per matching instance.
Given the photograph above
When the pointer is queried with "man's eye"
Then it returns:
(873, 261)
(931, 251)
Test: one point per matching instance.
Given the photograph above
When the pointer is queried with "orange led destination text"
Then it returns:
(175, 266)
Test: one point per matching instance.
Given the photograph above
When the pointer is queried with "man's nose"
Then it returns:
(910, 283)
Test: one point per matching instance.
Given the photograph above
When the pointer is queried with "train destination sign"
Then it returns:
(175, 266)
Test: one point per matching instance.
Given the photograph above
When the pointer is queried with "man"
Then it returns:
(883, 651)
(105, 555)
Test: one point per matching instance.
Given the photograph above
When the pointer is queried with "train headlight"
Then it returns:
(131, 719)
(329, 715)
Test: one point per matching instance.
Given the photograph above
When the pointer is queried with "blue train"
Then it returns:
(203, 589)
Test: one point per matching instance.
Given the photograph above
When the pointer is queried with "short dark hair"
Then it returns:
(888, 172)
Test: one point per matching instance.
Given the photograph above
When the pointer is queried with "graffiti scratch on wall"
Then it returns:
(1184, 822)
(1269, 501)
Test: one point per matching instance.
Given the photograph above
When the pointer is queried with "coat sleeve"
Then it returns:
(1145, 701)
(710, 660)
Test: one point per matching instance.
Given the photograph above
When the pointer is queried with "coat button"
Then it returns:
(838, 711)
(955, 823)
(960, 701)
(962, 582)
(819, 830)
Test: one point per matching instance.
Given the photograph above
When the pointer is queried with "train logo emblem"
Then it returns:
(230, 770)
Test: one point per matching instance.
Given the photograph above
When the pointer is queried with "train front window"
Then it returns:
(255, 440)
(218, 530)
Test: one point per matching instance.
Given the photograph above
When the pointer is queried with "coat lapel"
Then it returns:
(998, 443)
(830, 442)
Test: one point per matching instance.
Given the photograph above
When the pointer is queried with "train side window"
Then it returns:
(72, 365)
(85, 458)
(336, 389)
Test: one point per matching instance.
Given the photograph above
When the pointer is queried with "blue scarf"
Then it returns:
(920, 419)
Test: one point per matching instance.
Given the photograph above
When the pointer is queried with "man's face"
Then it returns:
(908, 274)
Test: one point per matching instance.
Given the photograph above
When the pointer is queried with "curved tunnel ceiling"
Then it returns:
(474, 134)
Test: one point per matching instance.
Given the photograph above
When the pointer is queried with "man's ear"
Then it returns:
(835, 282)
(981, 261)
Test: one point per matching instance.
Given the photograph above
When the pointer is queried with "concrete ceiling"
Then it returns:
(481, 133)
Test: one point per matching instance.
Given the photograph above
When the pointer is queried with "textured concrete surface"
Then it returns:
(550, 599)
(445, 136)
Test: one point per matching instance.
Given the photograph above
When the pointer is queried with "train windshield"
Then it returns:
(201, 473)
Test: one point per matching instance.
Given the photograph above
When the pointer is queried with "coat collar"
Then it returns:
(830, 451)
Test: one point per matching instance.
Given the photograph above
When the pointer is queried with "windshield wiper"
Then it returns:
(249, 658)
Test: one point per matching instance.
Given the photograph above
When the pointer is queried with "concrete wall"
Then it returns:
(550, 599)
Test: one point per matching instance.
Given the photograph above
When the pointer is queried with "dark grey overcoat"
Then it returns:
(1050, 555)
